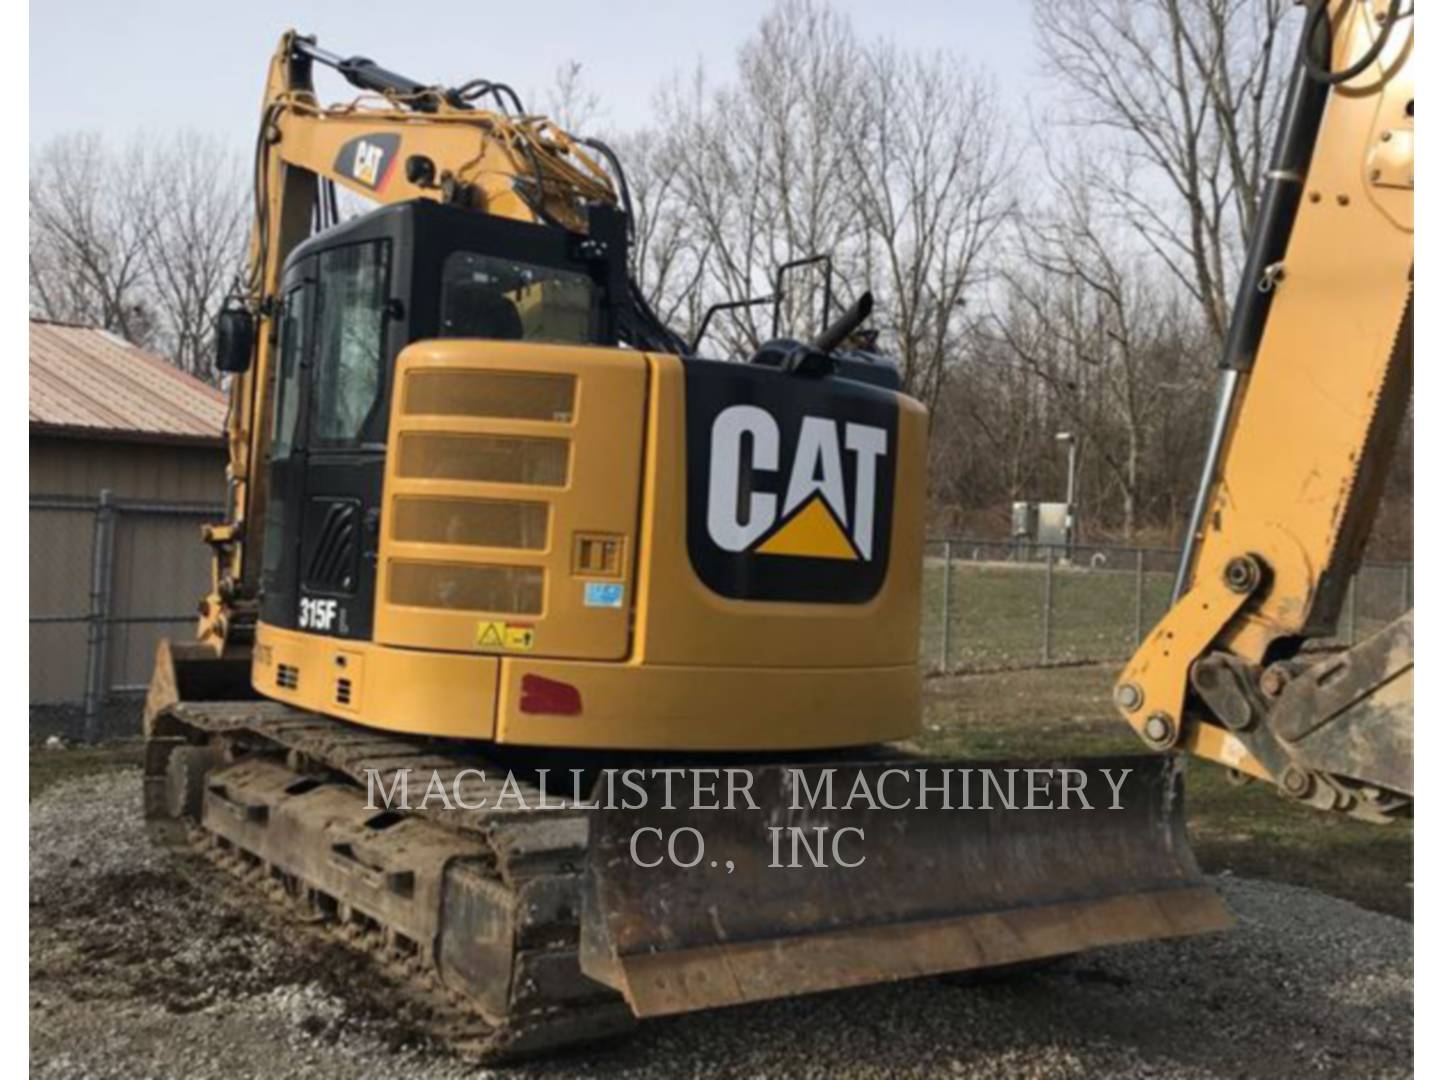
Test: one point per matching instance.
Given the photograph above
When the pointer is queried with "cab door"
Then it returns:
(279, 576)
(344, 440)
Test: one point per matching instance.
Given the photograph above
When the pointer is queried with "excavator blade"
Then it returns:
(934, 889)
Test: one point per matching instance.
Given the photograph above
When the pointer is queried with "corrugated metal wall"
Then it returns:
(158, 471)
(158, 568)
(59, 589)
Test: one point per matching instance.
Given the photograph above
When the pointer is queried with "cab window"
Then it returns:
(482, 296)
(350, 342)
(294, 334)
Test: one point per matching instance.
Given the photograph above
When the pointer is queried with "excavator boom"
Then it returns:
(1315, 383)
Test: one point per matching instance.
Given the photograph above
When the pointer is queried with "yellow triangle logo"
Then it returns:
(812, 532)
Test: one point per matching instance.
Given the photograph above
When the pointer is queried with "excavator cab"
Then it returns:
(352, 299)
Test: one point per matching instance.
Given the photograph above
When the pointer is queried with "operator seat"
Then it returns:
(476, 310)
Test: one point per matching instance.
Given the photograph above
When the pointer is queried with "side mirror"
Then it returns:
(234, 340)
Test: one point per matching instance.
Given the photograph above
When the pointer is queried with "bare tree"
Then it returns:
(571, 102)
(669, 250)
(193, 242)
(890, 162)
(1187, 92)
(991, 433)
(928, 170)
(141, 241)
(1079, 311)
(761, 165)
(88, 210)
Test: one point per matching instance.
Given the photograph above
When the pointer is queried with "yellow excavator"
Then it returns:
(516, 589)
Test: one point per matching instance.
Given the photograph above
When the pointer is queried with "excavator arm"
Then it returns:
(1315, 383)
(401, 140)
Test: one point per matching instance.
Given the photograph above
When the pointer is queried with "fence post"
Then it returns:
(945, 614)
(1045, 610)
(1139, 595)
(97, 640)
(1350, 608)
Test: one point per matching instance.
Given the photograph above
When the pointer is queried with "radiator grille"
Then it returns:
(501, 523)
(512, 484)
(508, 395)
(511, 590)
(502, 459)
(287, 676)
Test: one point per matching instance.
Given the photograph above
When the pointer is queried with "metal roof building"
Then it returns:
(91, 390)
(90, 382)
(108, 579)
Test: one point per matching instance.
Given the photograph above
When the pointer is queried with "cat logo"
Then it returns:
(369, 159)
(811, 515)
(791, 483)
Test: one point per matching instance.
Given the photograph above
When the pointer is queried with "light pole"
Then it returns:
(1067, 439)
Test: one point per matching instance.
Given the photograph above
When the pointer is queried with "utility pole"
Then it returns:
(1067, 439)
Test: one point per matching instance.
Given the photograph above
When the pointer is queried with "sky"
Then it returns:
(158, 65)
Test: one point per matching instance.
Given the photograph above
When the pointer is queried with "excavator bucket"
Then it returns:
(771, 909)
(193, 672)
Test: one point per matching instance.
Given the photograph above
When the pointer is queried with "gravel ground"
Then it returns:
(141, 965)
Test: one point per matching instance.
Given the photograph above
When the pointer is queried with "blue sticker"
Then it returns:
(604, 594)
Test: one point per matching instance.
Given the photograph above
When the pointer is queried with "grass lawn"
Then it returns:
(997, 621)
(1249, 830)
(997, 614)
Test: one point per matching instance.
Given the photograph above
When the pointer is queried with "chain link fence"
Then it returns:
(108, 579)
(995, 605)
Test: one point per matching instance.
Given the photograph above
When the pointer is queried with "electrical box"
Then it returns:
(1053, 525)
(1022, 520)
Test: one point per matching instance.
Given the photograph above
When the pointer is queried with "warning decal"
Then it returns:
(516, 637)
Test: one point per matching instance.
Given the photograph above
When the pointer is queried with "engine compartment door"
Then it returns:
(511, 499)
